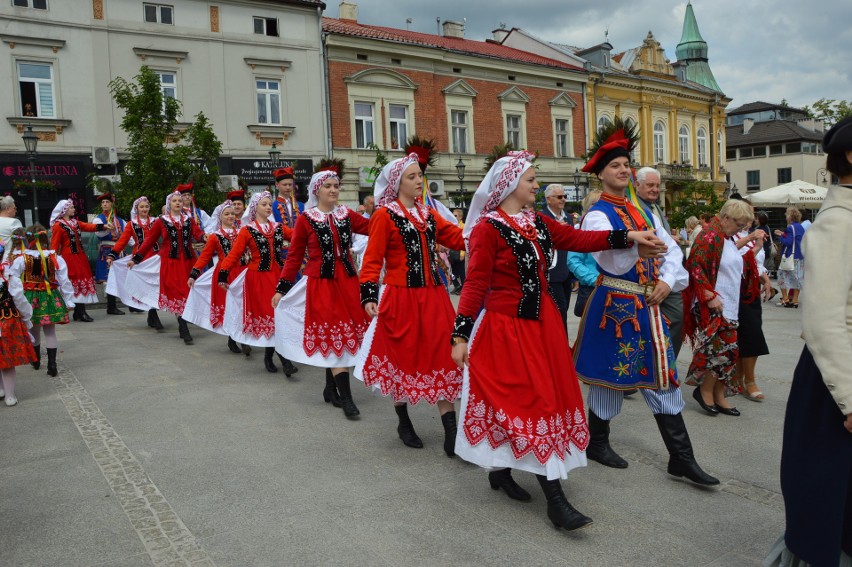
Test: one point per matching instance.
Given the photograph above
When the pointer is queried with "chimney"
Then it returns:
(747, 124)
(500, 34)
(453, 29)
(348, 11)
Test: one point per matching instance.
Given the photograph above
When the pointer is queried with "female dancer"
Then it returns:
(249, 317)
(160, 281)
(47, 289)
(320, 321)
(205, 305)
(405, 354)
(137, 231)
(16, 348)
(65, 241)
(520, 392)
(112, 229)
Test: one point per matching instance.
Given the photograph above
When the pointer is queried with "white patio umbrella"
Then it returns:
(796, 193)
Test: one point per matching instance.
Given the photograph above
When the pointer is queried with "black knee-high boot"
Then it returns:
(77, 310)
(183, 330)
(84, 317)
(502, 478)
(37, 363)
(268, 352)
(154, 320)
(405, 429)
(288, 367)
(450, 430)
(350, 410)
(51, 362)
(559, 510)
(112, 308)
(233, 346)
(681, 459)
(599, 449)
(329, 394)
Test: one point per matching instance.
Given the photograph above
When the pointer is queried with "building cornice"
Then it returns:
(14, 40)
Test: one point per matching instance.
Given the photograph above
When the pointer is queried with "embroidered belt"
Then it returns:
(627, 285)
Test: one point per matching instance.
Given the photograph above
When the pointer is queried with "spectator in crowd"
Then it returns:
(583, 266)
(791, 275)
(559, 276)
(8, 218)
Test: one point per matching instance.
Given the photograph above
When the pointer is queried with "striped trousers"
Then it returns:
(606, 402)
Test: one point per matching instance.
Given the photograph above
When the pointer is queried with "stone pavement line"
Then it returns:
(739, 488)
(164, 535)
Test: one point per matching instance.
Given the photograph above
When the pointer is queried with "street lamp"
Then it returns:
(823, 172)
(460, 167)
(30, 144)
(274, 155)
(576, 185)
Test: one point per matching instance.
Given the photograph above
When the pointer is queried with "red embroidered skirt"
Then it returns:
(16, 348)
(407, 353)
(80, 274)
(174, 273)
(521, 395)
(258, 317)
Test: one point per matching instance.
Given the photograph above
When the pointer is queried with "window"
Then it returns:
(168, 84)
(702, 147)
(398, 126)
(363, 124)
(634, 154)
(683, 144)
(785, 175)
(810, 148)
(361, 56)
(459, 126)
(266, 26)
(396, 61)
(563, 137)
(36, 86)
(759, 151)
(719, 145)
(731, 154)
(513, 130)
(776, 149)
(753, 180)
(659, 143)
(37, 4)
(268, 101)
(745, 152)
(603, 121)
(794, 148)
(158, 13)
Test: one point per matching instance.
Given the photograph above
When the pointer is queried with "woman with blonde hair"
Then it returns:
(791, 274)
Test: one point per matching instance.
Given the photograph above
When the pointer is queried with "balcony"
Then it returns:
(676, 171)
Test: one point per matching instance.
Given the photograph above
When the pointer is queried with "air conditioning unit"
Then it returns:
(436, 187)
(104, 155)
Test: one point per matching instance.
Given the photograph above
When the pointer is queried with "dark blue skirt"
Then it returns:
(816, 470)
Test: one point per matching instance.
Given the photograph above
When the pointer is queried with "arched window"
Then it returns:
(634, 155)
(702, 147)
(683, 144)
(604, 120)
(720, 147)
(659, 142)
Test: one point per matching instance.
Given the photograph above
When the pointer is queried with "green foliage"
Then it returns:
(380, 163)
(694, 199)
(829, 110)
(160, 157)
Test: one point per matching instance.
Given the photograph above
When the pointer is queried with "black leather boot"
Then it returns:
(183, 330)
(288, 367)
(84, 317)
(330, 394)
(681, 459)
(37, 363)
(112, 308)
(559, 510)
(450, 430)
(51, 362)
(405, 429)
(245, 349)
(154, 320)
(233, 346)
(134, 310)
(502, 478)
(599, 449)
(268, 352)
(350, 410)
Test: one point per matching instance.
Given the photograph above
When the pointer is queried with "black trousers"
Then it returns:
(562, 295)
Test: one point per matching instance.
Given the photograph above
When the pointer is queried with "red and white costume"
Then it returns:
(135, 232)
(521, 403)
(249, 317)
(205, 305)
(65, 240)
(320, 321)
(160, 281)
(16, 346)
(405, 353)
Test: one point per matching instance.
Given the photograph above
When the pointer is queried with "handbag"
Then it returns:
(787, 263)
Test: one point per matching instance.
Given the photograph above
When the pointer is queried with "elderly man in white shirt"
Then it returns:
(8, 219)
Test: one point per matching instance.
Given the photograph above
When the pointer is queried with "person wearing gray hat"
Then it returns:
(816, 460)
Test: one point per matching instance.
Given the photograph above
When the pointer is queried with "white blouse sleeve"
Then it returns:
(616, 262)
(672, 271)
(65, 287)
(16, 290)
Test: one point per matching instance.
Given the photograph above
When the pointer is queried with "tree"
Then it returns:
(829, 110)
(694, 199)
(161, 157)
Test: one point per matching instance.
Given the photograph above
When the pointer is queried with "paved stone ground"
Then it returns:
(144, 451)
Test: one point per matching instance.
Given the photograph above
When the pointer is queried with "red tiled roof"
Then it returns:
(454, 44)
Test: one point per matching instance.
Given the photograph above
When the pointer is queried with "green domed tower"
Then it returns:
(691, 54)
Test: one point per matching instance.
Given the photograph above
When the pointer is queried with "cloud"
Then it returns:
(785, 49)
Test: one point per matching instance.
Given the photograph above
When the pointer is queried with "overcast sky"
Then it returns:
(759, 50)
